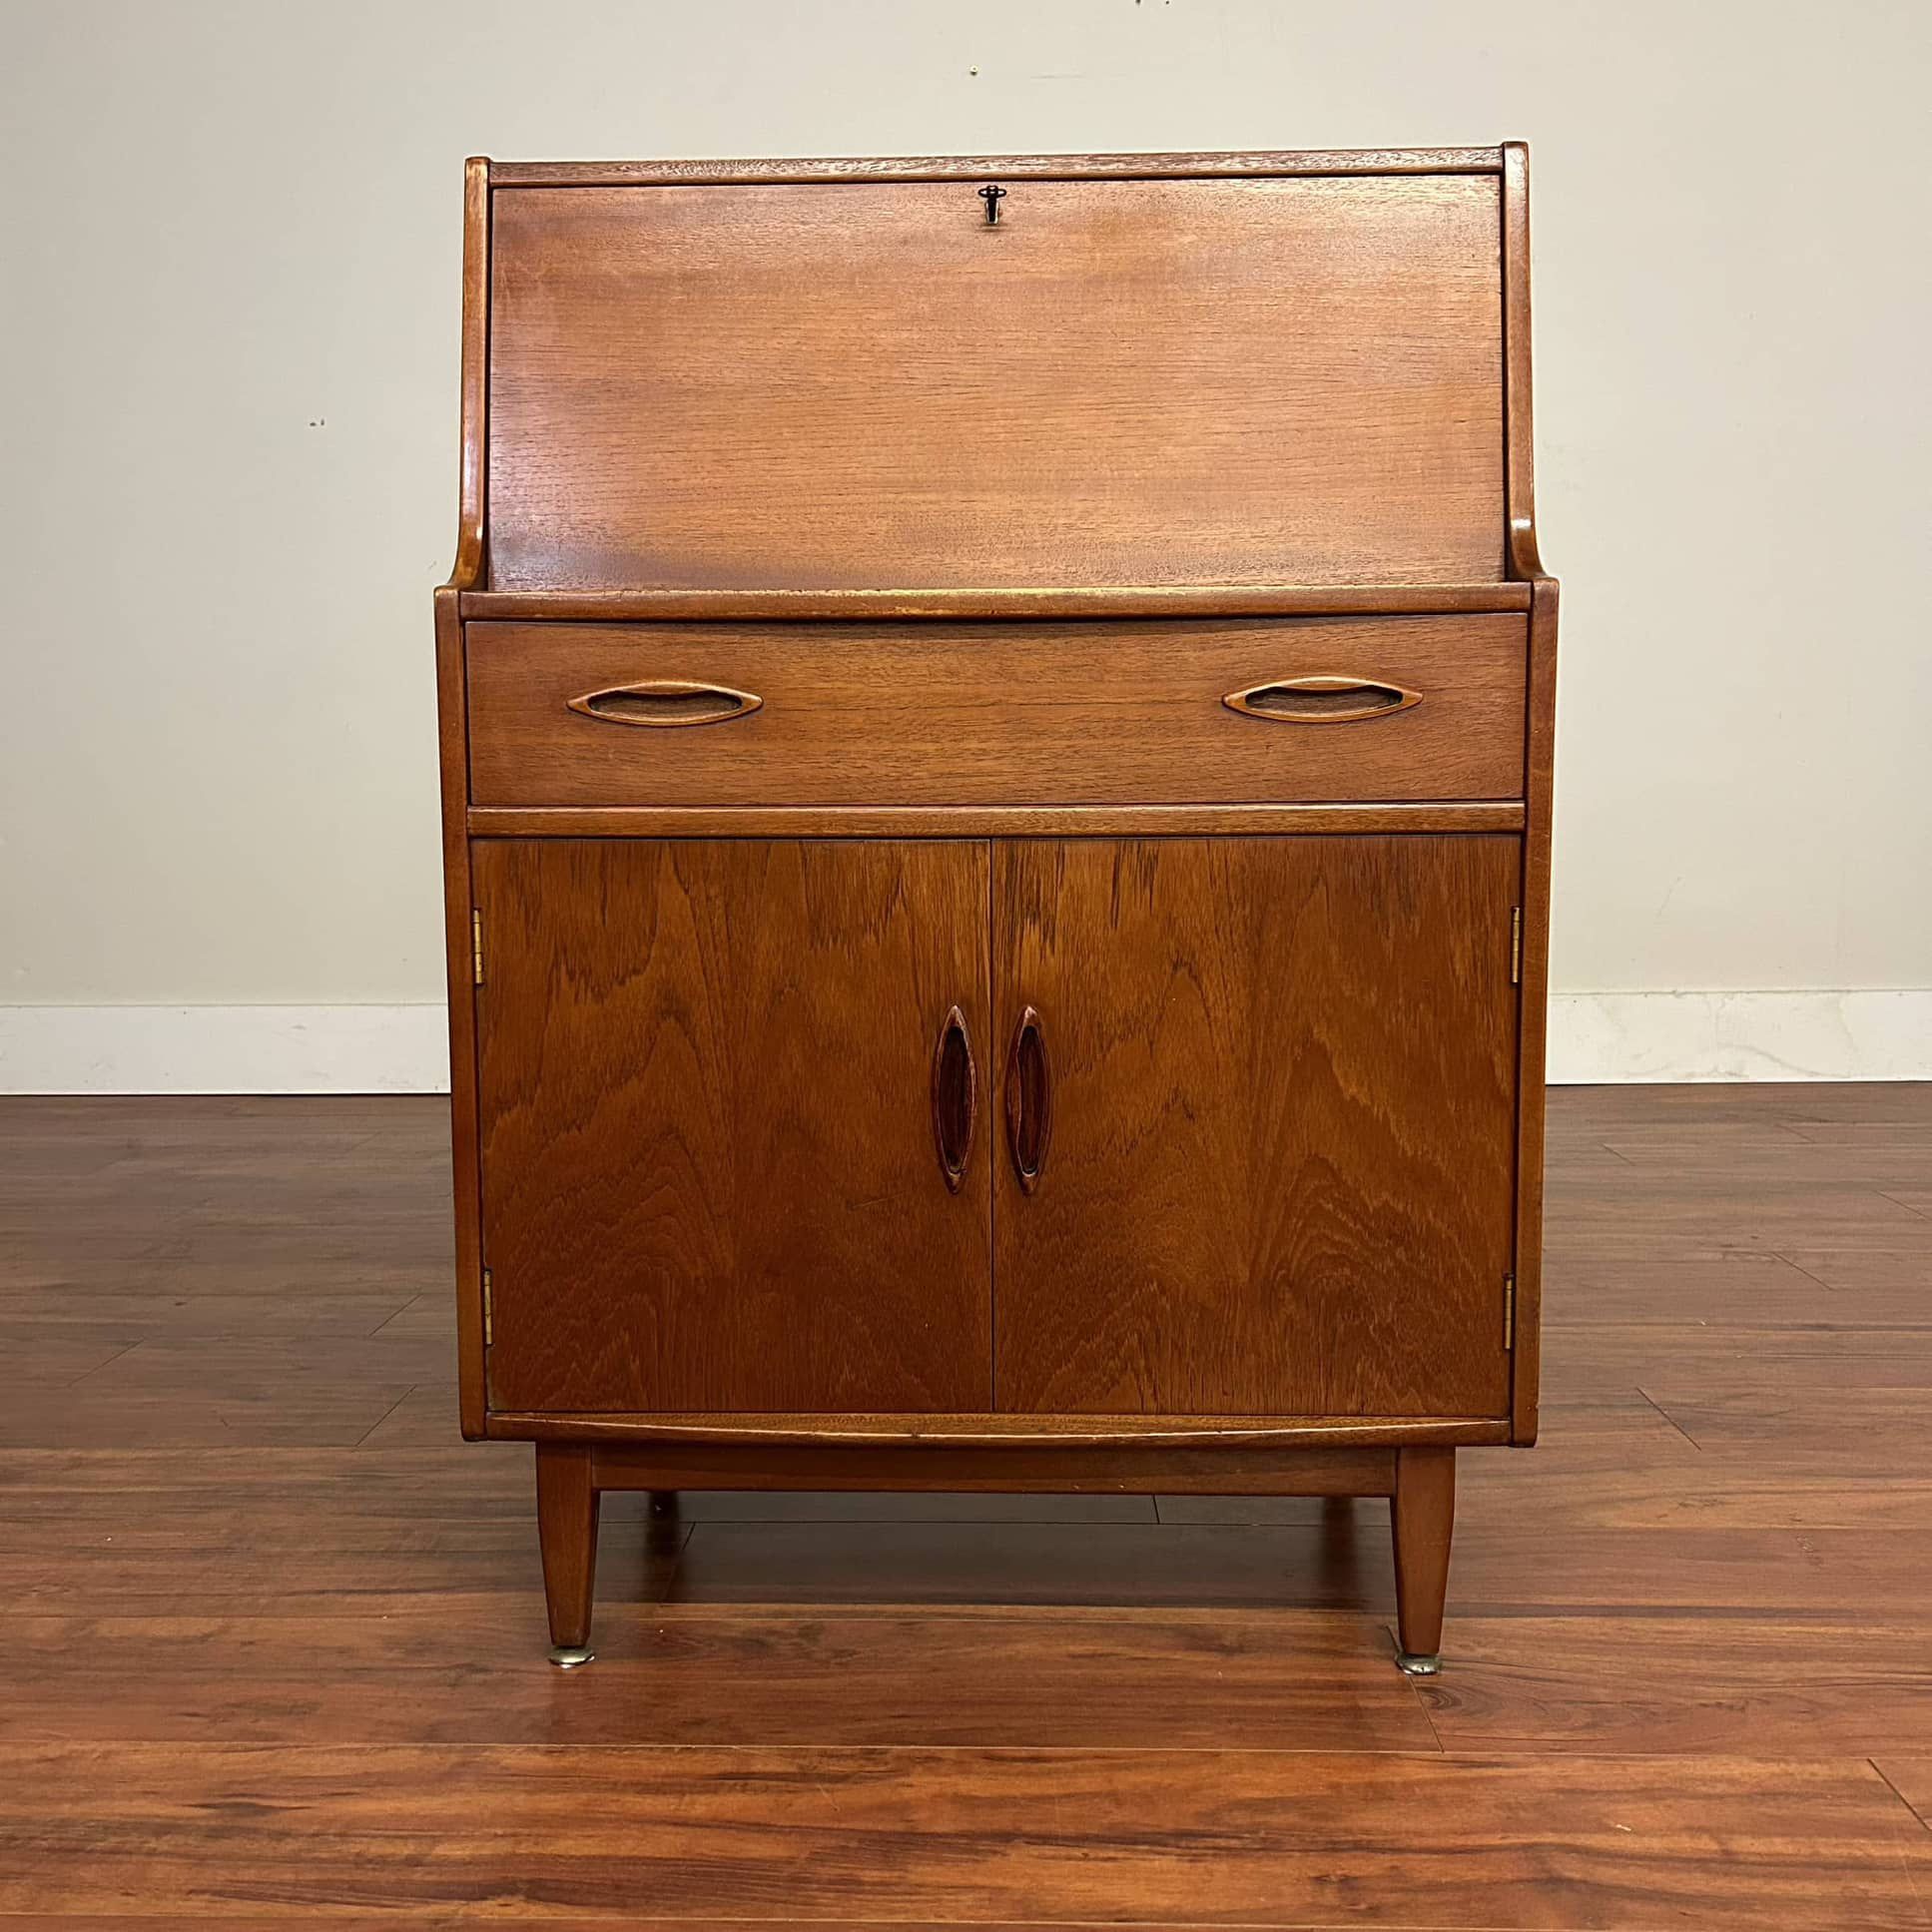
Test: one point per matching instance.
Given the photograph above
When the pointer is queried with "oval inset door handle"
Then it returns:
(956, 1098)
(666, 700)
(1321, 700)
(1030, 1100)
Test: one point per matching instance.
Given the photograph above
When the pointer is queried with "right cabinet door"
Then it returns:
(1259, 1115)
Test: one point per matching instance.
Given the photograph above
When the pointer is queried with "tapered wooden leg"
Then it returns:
(567, 1529)
(1423, 1513)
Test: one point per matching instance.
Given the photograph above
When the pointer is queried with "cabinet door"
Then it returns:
(720, 1105)
(1268, 1089)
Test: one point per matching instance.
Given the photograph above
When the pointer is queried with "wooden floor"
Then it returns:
(272, 1639)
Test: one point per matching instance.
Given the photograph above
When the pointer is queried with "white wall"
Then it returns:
(230, 242)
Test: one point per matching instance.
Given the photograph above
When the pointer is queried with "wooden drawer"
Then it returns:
(1266, 710)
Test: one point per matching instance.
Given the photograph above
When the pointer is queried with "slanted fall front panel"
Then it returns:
(865, 385)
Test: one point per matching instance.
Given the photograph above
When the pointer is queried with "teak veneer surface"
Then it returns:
(709, 1169)
(1279, 1178)
(1186, 381)
(996, 785)
(943, 713)
(1001, 602)
(986, 820)
(835, 170)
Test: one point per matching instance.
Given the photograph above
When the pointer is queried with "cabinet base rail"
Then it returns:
(1003, 1430)
(1418, 1480)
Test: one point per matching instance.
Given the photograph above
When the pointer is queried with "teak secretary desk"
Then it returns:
(996, 766)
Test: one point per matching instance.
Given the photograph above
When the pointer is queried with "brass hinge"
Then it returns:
(487, 1309)
(477, 944)
(1509, 1311)
(1515, 947)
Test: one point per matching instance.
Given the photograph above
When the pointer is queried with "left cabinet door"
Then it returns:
(735, 1143)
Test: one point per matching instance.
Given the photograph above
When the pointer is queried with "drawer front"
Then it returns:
(1264, 711)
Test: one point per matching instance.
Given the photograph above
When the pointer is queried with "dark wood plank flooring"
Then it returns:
(272, 1637)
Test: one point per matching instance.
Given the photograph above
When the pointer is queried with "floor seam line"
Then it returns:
(1906, 1205)
(110, 1362)
(385, 1415)
(1918, 1817)
(1669, 1417)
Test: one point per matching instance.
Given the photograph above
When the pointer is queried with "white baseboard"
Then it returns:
(224, 1050)
(1595, 1037)
(1607, 1038)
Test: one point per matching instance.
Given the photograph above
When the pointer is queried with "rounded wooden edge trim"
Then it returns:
(1153, 166)
(1525, 561)
(986, 820)
(998, 605)
(452, 717)
(743, 703)
(1003, 1430)
(1243, 701)
(467, 570)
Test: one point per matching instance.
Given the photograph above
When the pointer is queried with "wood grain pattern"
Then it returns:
(1525, 562)
(984, 820)
(980, 167)
(1196, 1837)
(1174, 1678)
(993, 601)
(1209, 394)
(991, 1430)
(1534, 1007)
(1421, 1514)
(1284, 1094)
(997, 714)
(707, 1144)
(567, 1520)
(467, 570)
(1037, 403)
(452, 714)
(1686, 1682)
(1742, 1684)
(1911, 1778)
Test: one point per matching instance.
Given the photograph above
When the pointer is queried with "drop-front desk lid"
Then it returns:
(853, 379)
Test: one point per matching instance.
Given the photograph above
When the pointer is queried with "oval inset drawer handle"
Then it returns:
(666, 700)
(1321, 700)
(1030, 1100)
(956, 1098)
